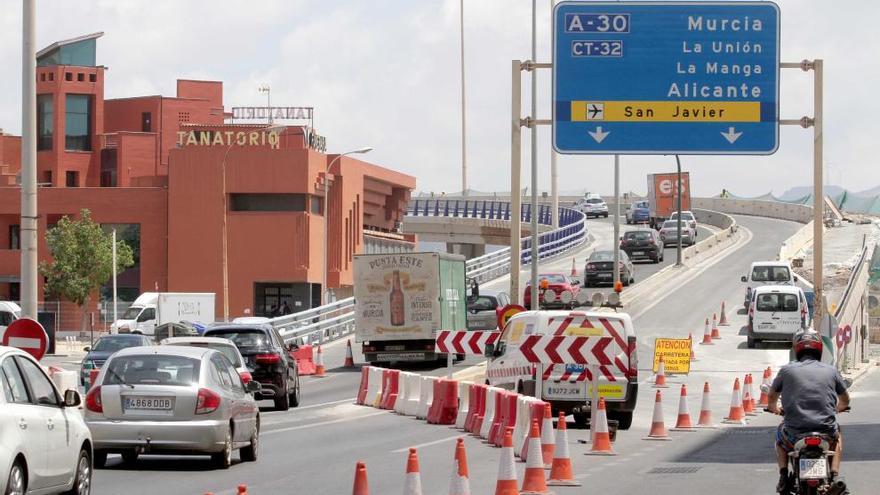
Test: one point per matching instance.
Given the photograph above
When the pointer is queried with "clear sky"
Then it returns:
(385, 73)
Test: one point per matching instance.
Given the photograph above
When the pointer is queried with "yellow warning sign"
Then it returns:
(676, 355)
(608, 391)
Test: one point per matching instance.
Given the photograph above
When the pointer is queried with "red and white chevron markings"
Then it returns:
(462, 342)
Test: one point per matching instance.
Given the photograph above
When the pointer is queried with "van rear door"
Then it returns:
(571, 381)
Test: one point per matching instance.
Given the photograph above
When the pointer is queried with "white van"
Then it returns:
(9, 312)
(566, 386)
(776, 312)
(767, 273)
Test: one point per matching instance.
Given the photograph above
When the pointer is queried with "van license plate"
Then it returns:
(148, 404)
(811, 469)
(638, 253)
(565, 390)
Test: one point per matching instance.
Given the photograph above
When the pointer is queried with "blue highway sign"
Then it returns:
(666, 78)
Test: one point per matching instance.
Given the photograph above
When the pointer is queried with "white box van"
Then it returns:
(9, 312)
(567, 386)
(776, 312)
(767, 273)
(152, 309)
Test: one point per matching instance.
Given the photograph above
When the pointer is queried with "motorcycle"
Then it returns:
(810, 463)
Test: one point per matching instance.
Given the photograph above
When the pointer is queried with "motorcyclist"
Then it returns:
(812, 394)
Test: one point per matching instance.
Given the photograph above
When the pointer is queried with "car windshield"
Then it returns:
(602, 256)
(595, 200)
(113, 344)
(483, 303)
(673, 224)
(153, 370)
(771, 274)
(244, 338)
(637, 236)
(228, 350)
(552, 278)
(777, 302)
(685, 215)
(131, 313)
(642, 204)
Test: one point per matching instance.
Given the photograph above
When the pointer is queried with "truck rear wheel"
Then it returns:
(624, 419)
(580, 420)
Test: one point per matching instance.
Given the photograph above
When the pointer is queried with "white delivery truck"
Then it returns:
(152, 309)
(9, 312)
(402, 300)
(567, 387)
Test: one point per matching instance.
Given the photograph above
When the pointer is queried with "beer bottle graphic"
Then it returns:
(398, 313)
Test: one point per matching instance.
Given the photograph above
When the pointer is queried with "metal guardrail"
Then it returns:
(336, 320)
(852, 311)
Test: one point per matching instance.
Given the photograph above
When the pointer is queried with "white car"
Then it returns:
(45, 446)
(9, 312)
(767, 273)
(593, 206)
(687, 217)
(226, 346)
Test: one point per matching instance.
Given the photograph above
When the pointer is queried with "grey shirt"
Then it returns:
(809, 395)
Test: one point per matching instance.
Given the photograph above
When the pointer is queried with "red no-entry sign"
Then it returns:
(27, 335)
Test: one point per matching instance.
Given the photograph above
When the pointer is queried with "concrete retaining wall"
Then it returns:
(714, 243)
(801, 240)
(758, 208)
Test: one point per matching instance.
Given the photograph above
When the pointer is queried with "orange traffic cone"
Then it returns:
(242, 490)
(601, 436)
(736, 414)
(548, 442)
(319, 364)
(561, 473)
(683, 423)
(707, 337)
(658, 427)
(691, 342)
(723, 320)
(705, 409)
(574, 270)
(507, 482)
(715, 333)
(533, 479)
(360, 480)
(748, 398)
(412, 485)
(349, 358)
(459, 483)
(763, 401)
(660, 377)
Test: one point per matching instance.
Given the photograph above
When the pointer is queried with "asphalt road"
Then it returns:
(313, 449)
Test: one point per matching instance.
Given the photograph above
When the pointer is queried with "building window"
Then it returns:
(44, 122)
(80, 77)
(78, 123)
(43, 77)
(14, 237)
(51, 76)
(68, 76)
(71, 178)
(47, 178)
(317, 205)
(267, 202)
(146, 122)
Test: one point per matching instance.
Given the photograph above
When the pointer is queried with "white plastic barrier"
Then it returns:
(463, 403)
(523, 422)
(426, 396)
(374, 387)
(489, 417)
(414, 387)
(402, 392)
(65, 380)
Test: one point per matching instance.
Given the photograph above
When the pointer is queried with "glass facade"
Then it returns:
(44, 122)
(128, 282)
(78, 123)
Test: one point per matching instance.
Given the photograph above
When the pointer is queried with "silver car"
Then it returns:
(482, 312)
(669, 233)
(172, 400)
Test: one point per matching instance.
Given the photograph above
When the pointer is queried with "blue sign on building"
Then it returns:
(666, 77)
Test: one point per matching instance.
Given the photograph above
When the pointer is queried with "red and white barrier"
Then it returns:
(444, 406)
(426, 396)
(489, 412)
(464, 399)
(374, 387)
(390, 385)
(464, 342)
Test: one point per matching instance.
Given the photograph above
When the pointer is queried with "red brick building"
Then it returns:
(161, 170)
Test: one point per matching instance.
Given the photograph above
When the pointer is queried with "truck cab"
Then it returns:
(567, 386)
(9, 312)
(140, 317)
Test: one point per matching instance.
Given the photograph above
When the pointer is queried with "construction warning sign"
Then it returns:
(676, 355)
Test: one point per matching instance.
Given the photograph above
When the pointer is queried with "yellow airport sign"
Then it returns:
(665, 111)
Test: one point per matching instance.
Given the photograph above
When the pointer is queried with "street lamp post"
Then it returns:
(324, 289)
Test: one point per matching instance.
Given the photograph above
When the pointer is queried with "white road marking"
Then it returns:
(324, 404)
(428, 444)
(323, 423)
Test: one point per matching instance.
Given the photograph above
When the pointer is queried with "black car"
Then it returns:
(642, 244)
(103, 348)
(267, 358)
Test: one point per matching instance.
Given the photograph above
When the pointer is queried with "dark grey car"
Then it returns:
(642, 244)
(600, 269)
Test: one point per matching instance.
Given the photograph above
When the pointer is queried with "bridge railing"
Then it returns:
(335, 320)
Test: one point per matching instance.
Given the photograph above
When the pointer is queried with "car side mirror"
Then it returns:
(795, 278)
(72, 398)
(87, 348)
(253, 387)
(744, 279)
(489, 351)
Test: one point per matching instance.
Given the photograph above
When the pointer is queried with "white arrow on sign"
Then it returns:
(598, 135)
(731, 135)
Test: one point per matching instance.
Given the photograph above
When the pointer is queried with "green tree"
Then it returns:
(82, 260)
